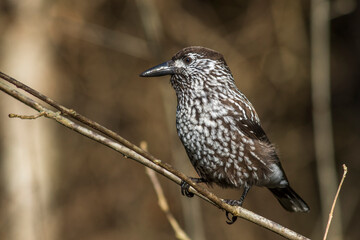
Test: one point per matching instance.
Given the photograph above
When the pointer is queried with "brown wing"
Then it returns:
(253, 130)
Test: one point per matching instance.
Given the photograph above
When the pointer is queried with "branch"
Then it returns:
(334, 202)
(110, 139)
(164, 206)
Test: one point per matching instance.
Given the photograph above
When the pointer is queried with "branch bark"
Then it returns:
(112, 140)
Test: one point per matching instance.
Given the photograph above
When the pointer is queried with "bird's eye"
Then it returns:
(187, 60)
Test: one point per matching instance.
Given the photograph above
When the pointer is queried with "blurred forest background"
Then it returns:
(87, 55)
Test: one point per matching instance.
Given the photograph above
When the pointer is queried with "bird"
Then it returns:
(220, 129)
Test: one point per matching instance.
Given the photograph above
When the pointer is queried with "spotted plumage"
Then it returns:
(220, 128)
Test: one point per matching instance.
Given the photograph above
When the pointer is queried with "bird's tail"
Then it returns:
(289, 199)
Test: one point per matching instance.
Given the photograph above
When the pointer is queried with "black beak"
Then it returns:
(163, 69)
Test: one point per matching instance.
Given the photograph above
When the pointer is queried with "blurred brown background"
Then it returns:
(56, 184)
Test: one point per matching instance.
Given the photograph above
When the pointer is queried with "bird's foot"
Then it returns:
(236, 203)
(185, 189)
(232, 203)
(232, 220)
(185, 186)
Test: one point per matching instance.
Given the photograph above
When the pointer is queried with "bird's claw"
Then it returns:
(185, 189)
(232, 203)
(232, 220)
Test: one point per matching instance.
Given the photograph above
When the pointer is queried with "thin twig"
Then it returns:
(164, 206)
(128, 149)
(72, 113)
(334, 202)
(31, 117)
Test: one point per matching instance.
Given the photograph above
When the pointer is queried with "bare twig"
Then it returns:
(66, 111)
(117, 143)
(164, 206)
(31, 117)
(334, 202)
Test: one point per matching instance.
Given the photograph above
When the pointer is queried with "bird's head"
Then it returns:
(193, 68)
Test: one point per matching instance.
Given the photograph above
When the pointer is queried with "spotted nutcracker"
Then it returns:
(221, 130)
